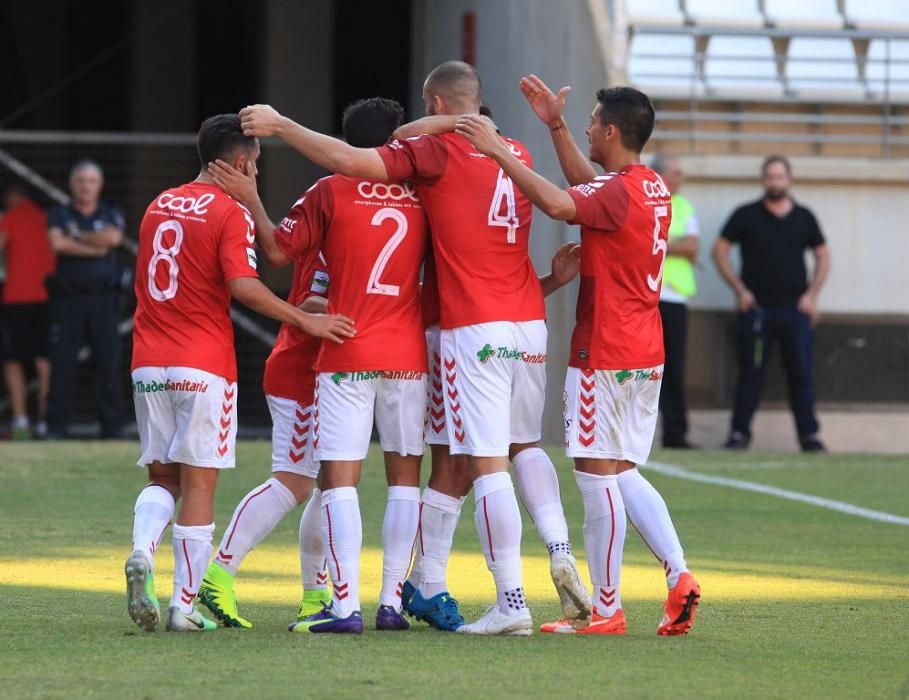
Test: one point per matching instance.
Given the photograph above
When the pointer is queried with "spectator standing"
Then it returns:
(776, 302)
(25, 319)
(679, 286)
(85, 235)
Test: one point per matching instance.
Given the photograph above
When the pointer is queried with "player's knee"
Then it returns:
(300, 486)
(514, 449)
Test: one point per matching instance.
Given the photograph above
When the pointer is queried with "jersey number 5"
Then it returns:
(168, 255)
(374, 286)
(504, 216)
(659, 246)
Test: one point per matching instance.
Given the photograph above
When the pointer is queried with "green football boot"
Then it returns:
(217, 594)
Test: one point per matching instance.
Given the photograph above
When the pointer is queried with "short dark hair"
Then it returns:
(629, 111)
(221, 136)
(485, 111)
(371, 122)
(771, 159)
(457, 82)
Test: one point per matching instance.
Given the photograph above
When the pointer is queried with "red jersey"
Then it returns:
(193, 240)
(29, 259)
(480, 226)
(373, 237)
(290, 368)
(429, 292)
(624, 219)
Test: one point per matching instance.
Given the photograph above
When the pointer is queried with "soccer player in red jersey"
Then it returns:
(289, 384)
(195, 253)
(492, 326)
(616, 364)
(374, 238)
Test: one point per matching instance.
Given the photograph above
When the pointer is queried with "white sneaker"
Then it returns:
(576, 606)
(179, 621)
(496, 622)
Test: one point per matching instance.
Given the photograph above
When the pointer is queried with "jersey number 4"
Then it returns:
(166, 254)
(659, 246)
(374, 286)
(502, 210)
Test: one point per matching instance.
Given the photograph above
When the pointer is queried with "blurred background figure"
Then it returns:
(85, 235)
(678, 287)
(24, 320)
(775, 301)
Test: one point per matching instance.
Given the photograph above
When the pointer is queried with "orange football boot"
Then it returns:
(681, 605)
(598, 625)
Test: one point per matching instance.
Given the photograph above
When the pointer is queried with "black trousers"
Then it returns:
(75, 317)
(757, 331)
(672, 392)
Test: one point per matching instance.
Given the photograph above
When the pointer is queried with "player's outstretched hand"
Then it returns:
(544, 102)
(566, 263)
(239, 185)
(332, 327)
(260, 121)
(481, 132)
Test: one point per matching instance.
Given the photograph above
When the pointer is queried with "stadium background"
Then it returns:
(128, 83)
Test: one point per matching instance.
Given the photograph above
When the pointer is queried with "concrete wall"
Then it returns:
(556, 41)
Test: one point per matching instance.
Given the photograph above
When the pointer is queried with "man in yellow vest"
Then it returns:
(678, 287)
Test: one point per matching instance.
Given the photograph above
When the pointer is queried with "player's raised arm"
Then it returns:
(242, 187)
(548, 197)
(250, 292)
(549, 107)
(328, 152)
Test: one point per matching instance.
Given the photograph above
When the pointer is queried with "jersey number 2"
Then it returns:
(659, 246)
(168, 255)
(374, 286)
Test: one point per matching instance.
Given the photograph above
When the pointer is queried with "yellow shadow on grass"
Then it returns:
(270, 574)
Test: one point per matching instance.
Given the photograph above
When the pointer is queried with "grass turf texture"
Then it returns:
(797, 600)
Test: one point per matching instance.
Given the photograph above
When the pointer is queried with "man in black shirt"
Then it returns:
(774, 298)
(85, 235)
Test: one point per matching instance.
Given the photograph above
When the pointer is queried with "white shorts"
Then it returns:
(346, 402)
(185, 415)
(291, 437)
(434, 424)
(494, 377)
(611, 414)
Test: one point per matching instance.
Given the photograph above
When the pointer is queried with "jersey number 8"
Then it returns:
(168, 255)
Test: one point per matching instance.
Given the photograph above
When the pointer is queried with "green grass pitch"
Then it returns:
(798, 601)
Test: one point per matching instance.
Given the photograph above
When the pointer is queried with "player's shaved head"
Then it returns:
(370, 123)
(221, 137)
(457, 84)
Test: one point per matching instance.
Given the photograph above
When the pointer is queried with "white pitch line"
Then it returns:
(840, 506)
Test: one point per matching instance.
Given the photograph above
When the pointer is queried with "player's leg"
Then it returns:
(399, 418)
(154, 508)
(535, 474)
(313, 558)
(478, 382)
(192, 540)
(205, 407)
(593, 437)
(263, 507)
(425, 594)
(343, 413)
